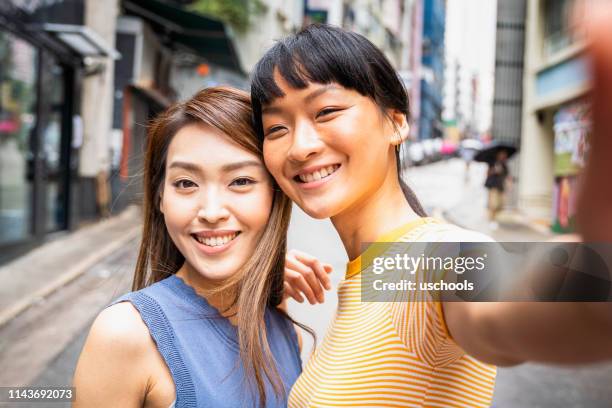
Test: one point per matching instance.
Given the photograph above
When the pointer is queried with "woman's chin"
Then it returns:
(215, 273)
(317, 211)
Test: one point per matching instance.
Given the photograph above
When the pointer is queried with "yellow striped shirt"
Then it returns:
(393, 354)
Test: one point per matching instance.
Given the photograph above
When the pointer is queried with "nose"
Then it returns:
(305, 144)
(213, 207)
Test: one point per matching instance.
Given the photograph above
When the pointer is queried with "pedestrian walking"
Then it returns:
(497, 176)
(331, 113)
(204, 326)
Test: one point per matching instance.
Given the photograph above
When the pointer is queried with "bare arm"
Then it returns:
(509, 333)
(112, 368)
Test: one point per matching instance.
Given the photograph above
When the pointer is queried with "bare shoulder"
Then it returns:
(115, 359)
(120, 326)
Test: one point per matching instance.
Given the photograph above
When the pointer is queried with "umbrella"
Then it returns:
(489, 153)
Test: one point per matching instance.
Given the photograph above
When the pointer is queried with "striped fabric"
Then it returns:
(393, 354)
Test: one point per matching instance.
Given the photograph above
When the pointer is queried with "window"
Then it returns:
(18, 68)
(557, 30)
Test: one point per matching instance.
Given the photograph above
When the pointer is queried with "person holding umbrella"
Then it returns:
(496, 156)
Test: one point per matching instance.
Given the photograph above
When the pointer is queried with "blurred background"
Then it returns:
(80, 79)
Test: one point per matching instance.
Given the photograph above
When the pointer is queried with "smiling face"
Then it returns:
(329, 148)
(216, 201)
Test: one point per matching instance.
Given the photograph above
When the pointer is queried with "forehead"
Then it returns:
(207, 146)
(304, 94)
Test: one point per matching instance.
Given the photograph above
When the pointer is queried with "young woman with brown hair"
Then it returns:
(202, 325)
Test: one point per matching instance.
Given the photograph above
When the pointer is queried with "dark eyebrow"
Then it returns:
(225, 168)
(270, 109)
(186, 166)
(239, 165)
(307, 99)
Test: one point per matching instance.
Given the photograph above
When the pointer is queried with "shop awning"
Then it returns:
(204, 36)
(82, 40)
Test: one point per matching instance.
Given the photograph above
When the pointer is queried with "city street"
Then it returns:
(41, 346)
(94, 94)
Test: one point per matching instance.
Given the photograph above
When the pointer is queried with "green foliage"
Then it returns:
(234, 12)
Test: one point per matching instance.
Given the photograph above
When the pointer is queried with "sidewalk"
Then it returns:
(513, 226)
(44, 270)
(447, 192)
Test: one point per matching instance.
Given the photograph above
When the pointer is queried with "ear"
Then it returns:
(161, 201)
(401, 127)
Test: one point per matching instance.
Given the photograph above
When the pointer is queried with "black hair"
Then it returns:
(324, 54)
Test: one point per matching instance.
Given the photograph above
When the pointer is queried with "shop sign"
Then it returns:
(572, 125)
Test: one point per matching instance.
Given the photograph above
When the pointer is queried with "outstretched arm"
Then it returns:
(510, 333)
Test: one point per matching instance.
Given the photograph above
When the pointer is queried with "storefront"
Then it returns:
(572, 126)
(41, 69)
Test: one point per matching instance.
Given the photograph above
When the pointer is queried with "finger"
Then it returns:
(293, 294)
(298, 284)
(316, 266)
(309, 275)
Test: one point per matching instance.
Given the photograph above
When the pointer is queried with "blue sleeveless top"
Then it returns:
(201, 350)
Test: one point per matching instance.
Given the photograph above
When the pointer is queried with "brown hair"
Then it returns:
(259, 283)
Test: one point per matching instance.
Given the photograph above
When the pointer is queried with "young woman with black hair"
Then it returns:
(332, 113)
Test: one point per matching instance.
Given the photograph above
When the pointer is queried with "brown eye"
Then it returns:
(327, 111)
(184, 184)
(242, 182)
(275, 131)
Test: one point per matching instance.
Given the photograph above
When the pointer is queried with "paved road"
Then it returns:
(42, 346)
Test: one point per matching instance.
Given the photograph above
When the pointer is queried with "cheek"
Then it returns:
(274, 158)
(360, 134)
(254, 209)
(178, 211)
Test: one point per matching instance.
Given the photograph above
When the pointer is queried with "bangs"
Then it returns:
(320, 54)
(324, 54)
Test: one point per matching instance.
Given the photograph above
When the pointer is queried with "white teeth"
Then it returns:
(215, 241)
(319, 174)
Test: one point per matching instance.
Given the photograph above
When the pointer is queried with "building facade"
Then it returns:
(432, 70)
(50, 62)
(506, 125)
(556, 117)
(509, 66)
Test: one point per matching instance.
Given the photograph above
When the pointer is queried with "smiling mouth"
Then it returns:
(216, 241)
(317, 175)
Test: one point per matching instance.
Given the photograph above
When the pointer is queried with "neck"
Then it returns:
(367, 220)
(219, 299)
